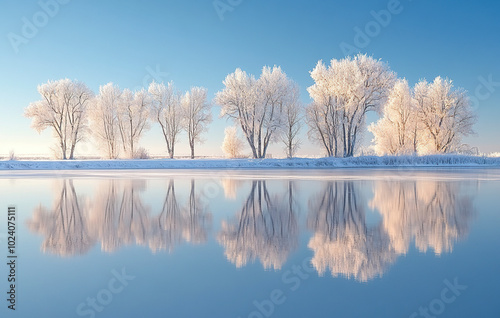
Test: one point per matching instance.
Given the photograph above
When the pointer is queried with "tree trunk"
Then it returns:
(336, 146)
(132, 149)
(254, 151)
(63, 151)
(71, 154)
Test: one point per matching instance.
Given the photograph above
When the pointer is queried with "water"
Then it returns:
(254, 243)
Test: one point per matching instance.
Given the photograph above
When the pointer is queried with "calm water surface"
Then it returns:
(254, 243)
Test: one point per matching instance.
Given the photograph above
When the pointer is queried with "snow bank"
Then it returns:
(360, 162)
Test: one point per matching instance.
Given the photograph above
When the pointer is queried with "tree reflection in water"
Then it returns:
(116, 217)
(342, 242)
(435, 214)
(64, 226)
(265, 228)
(176, 223)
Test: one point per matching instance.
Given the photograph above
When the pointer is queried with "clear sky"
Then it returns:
(192, 44)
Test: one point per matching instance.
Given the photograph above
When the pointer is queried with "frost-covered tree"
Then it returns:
(343, 94)
(64, 108)
(397, 131)
(257, 105)
(104, 120)
(323, 114)
(445, 114)
(133, 118)
(324, 126)
(292, 123)
(196, 115)
(238, 101)
(232, 144)
(166, 110)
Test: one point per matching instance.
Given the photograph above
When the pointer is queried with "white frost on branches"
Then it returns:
(104, 120)
(64, 108)
(431, 119)
(445, 114)
(397, 132)
(258, 105)
(166, 110)
(232, 144)
(119, 119)
(133, 118)
(343, 94)
(292, 123)
(196, 115)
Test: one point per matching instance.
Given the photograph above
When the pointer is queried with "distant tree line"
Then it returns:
(116, 119)
(429, 118)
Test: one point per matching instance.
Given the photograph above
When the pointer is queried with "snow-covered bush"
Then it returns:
(232, 144)
(12, 155)
(141, 153)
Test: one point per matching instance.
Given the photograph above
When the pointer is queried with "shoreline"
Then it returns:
(430, 161)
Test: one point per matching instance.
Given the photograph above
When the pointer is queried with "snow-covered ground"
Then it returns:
(361, 162)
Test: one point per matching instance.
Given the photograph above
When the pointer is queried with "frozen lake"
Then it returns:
(254, 243)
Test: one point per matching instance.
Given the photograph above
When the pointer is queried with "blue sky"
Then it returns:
(127, 42)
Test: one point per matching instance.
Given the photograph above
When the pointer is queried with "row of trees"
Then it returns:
(117, 118)
(429, 118)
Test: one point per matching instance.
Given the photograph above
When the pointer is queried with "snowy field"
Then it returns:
(302, 163)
